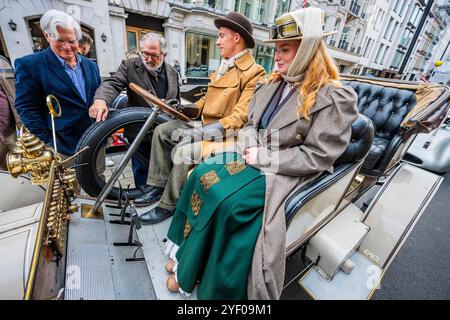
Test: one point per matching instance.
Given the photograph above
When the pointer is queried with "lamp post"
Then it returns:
(416, 35)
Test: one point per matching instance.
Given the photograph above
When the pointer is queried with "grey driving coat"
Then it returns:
(292, 152)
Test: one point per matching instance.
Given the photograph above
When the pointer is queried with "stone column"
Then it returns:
(272, 11)
(174, 33)
(118, 29)
(228, 5)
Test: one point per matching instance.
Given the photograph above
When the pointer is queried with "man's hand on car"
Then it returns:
(99, 110)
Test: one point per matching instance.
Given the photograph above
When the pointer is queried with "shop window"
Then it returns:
(215, 4)
(282, 7)
(264, 56)
(39, 42)
(202, 55)
(134, 36)
(254, 10)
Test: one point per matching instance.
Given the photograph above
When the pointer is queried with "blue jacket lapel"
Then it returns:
(87, 78)
(59, 71)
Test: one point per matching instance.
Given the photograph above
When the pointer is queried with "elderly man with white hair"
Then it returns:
(151, 72)
(58, 70)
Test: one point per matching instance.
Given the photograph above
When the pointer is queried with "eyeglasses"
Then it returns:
(71, 43)
(152, 55)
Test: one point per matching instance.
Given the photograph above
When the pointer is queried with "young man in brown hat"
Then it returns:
(177, 145)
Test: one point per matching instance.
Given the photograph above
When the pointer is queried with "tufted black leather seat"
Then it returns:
(360, 144)
(386, 107)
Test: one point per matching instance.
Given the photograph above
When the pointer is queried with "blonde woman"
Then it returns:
(229, 228)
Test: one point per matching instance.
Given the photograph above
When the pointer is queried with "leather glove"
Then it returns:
(210, 132)
(190, 110)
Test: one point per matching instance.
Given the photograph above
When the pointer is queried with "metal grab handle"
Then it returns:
(50, 99)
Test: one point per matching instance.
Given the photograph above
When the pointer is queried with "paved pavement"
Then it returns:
(420, 271)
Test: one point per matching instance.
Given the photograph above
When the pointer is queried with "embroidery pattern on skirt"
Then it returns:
(209, 179)
(235, 166)
(196, 203)
(187, 229)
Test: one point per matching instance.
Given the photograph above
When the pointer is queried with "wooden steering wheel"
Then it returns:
(154, 100)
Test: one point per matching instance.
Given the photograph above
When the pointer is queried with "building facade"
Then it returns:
(441, 51)
(117, 26)
(349, 19)
(372, 36)
(431, 35)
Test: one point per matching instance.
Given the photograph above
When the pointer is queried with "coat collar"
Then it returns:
(265, 95)
(141, 70)
(245, 62)
(289, 113)
(231, 78)
(172, 81)
(172, 78)
(55, 65)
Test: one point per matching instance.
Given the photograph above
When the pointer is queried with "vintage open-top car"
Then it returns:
(60, 246)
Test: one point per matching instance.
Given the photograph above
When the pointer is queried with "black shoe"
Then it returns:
(149, 198)
(156, 215)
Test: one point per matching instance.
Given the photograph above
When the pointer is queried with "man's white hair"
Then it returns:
(151, 36)
(55, 18)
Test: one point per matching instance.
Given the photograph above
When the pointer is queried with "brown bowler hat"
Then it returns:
(238, 23)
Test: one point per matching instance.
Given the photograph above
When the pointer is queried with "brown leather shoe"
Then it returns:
(169, 266)
(172, 284)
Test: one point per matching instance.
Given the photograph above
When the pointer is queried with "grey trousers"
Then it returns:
(171, 161)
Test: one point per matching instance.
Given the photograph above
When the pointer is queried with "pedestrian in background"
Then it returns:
(84, 45)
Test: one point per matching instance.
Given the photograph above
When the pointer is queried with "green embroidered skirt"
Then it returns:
(216, 225)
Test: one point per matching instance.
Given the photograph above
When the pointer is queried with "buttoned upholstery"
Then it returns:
(386, 107)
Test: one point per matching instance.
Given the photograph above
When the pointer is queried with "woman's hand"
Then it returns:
(250, 155)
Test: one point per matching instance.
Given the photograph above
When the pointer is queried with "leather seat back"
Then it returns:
(360, 141)
(386, 107)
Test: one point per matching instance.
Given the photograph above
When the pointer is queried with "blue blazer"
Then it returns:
(40, 74)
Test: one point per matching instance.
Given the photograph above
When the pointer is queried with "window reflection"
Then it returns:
(254, 10)
(202, 55)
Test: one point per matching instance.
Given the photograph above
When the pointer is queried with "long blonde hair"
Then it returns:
(321, 70)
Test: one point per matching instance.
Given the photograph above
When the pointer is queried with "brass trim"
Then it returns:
(50, 99)
(377, 284)
(302, 287)
(87, 214)
(40, 235)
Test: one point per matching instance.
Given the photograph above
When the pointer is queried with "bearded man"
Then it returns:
(151, 72)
